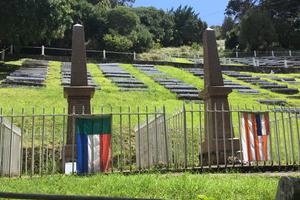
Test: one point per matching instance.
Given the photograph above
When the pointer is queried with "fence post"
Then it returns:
(104, 54)
(3, 55)
(134, 56)
(290, 52)
(43, 50)
(255, 54)
(254, 62)
(11, 49)
(273, 54)
(185, 137)
(236, 54)
(285, 63)
(166, 136)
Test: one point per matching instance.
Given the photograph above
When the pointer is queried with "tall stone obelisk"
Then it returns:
(218, 125)
(79, 94)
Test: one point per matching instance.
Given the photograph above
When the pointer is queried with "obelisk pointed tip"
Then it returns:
(77, 25)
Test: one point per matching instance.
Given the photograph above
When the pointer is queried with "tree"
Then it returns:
(159, 23)
(238, 8)
(25, 22)
(112, 3)
(257, 30)
(117, 43)
(142, 39)
(188, 26)
(286, 18)
(122, 20)
(227, 26)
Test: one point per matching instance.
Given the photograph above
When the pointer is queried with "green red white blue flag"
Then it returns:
(93, 138)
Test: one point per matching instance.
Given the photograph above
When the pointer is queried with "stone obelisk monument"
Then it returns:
(79, 94)
(218, 125)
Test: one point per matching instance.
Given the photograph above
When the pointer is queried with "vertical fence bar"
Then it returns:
(185, 138)
(200, 136)
(271, 145)
(47, 150)
(32, 142)
(284, 138)
(63, 138)
(148, 142)
(11, 141)
(43, 138)
(292, 136)
(231, 133)
(53, 141)
(139, 138)
(297, 131)
(223, 131)
(129, 129)
(192, 124)
(166, 136)
(73, 138)
(40, 151)
(121, 139)
(111, 145)
(216, 134)
(22, 138)
(240, 135)
(288, 141)
(277, 137)
(156, 136)
(207, 136)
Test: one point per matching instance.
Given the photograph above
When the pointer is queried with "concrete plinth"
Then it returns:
(218, 123)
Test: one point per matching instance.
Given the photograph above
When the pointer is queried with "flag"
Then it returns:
(93, 137)
(256, 141)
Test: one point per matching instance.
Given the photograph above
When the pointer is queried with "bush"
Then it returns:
(117, 43)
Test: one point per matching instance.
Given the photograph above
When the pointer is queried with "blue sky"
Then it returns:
(211, 11)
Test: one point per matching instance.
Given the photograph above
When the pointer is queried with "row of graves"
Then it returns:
(227, 83)
(268, 85)
(269, 61)
(66, 76)
(123, 79)
(31, 73)
(182, 90)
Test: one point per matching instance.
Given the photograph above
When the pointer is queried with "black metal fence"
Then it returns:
(145, 139)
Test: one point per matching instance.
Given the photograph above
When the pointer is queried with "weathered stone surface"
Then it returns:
(272, 101)
(218, 125)
(79, 93)
(288, 189)
(285, 90)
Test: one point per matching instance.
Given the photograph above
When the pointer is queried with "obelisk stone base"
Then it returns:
(79, 103)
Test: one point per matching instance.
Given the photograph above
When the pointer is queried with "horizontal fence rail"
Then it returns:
(149, 139)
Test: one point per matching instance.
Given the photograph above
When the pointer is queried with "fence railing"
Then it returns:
(148, 139)
(193, 56)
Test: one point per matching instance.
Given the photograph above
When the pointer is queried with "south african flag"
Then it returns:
(93, 137)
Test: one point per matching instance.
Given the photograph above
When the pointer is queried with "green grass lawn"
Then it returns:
(164, 186)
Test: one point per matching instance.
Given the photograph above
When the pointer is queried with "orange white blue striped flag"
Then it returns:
(256, 139)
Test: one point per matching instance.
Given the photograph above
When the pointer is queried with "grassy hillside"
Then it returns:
(110, 96)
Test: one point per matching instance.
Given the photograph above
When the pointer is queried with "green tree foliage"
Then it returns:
(122, 20)
(188, 26)
(257, 30)
(283, 15)
(117, 42)
(286, 18)
(159, 23)
(31, 21)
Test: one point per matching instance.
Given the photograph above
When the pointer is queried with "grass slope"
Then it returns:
(168, 186)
